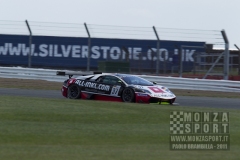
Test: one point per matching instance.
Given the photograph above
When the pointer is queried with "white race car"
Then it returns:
(115, 87)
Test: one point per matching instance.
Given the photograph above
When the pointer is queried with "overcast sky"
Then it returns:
(186, 14)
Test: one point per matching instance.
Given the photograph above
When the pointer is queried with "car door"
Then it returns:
(116, 85)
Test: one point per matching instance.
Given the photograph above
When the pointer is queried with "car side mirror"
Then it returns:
(154, 82)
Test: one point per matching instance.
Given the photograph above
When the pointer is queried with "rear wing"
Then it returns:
(70, 74)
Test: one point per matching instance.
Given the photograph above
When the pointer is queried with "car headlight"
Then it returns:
(169, 91)
(146, 91)
(166, 89)
(141, 90)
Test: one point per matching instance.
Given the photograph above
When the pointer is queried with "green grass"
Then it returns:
(60, 129)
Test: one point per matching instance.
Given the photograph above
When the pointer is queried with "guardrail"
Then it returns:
(170, 82)
(30, 73)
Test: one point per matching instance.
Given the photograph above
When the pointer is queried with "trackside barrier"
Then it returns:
(170, 82)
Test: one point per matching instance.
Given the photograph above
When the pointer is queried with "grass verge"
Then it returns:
(44, 128)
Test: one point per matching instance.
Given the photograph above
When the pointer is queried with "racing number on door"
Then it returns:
(156, 89)
(115, 90)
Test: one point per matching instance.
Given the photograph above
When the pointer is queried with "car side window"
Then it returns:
(106, 80)
(109, 80)
(100, 79)
(114, 80)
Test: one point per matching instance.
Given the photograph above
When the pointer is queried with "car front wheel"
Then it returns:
(171, 101)
(128, 95)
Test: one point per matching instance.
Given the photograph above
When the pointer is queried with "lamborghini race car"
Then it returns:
(115, 87)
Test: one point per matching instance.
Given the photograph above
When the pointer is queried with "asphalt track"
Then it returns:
(191, 101)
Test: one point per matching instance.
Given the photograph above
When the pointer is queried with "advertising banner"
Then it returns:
(72, 52)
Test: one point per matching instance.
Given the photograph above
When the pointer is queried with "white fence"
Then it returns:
(170, 82)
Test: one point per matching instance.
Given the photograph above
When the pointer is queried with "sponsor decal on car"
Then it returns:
(156, 89)
(142, 94)
(163, 95)
(115, 90)
(93, 85)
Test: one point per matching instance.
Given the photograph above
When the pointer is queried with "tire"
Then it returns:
(159, 102)
(74, 91)
(171, 101)
(128, 95)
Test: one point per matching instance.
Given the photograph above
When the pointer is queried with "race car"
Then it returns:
(114, 87)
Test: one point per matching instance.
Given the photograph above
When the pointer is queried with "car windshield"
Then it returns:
(137, 81)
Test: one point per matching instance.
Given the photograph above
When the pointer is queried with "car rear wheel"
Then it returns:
(74, 91)
(128, 95)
